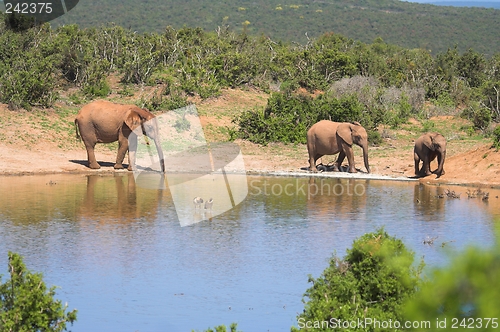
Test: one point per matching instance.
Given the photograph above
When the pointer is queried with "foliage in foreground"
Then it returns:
(374, 280)
(222, 328)
(26, 305)
(465, 294)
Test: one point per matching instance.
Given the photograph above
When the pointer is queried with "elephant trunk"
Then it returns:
(160, 155)
(365, 156)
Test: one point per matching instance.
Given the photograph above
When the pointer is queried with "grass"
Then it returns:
(38, 126)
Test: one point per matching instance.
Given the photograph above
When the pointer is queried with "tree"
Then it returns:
(223, 328)
(19, 22)
(372, 282)
(471, 66)
(463, 295)
(26, 305)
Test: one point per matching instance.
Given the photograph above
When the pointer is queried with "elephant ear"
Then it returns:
(344, 130)
(428, 141)
(144, 113)
(133, 120)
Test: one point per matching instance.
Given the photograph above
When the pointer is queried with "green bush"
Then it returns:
(496, 137)
(405, 108)
(479, 115)
(141, 57)
(222, 328)
(28, 87)
(287, 117)
(26, 305)
(284, 119)
(370, 83)
(166, 99)
(374, 138)
(428, 125)
(444, 99)
(27, 73)
(99, 89)
(19, 22)
(374, 280)
(463, 295)
(175, 101)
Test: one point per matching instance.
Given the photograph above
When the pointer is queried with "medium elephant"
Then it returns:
(427, 148)
(328, 138)
(105, 122)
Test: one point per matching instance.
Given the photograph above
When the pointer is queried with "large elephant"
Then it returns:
(328, 138)
(427, 148)
(105, 122)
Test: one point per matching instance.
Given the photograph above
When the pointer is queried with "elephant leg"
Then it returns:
(312, 161)
(426, 167)
(340, 160)
(349, 153)
(91, 155)
(312, 164)
(440, 170)
(352, 167)
(418, 170)
(122, 149)
(132, 149)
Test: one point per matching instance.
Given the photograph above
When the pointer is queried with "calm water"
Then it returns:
(120, 256)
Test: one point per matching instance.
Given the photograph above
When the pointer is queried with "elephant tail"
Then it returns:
(76, 130)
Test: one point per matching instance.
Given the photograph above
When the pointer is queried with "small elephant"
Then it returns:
(105, 122)
(427, 148)
(328, 138)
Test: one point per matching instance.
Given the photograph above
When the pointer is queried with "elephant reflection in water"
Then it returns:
(429, 199)
(336, 197)
(112, 198)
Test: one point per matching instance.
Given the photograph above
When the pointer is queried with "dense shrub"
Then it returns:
(167, 98)
(374, 138)
(287, 117)
(141, 57)
(27, 87)
(223, 328)
(27, 305)
(373, 280)
(496, 137)
(479, 115)
(27, 68)
(371, 83)
(465, 294)
(19, 22)
(97, 89)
